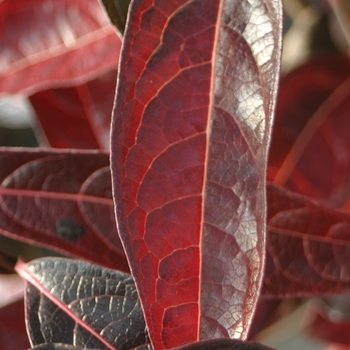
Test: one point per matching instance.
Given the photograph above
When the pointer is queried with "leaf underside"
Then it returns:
(77, 303)
(197, 84)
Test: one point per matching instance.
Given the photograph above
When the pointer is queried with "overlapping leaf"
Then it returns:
(60, 199)
(79, 116)
(47, 43)
(310, 144)
(81, 304)
(308, 247)
(190, 134)
(295, 223)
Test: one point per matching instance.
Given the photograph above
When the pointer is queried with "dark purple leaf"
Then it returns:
(46, 43)
(197, 85)
(77, 303)
(61, 200)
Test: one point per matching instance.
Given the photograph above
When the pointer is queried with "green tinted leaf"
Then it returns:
(117, 11)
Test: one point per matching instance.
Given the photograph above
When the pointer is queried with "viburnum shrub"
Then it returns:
(179, 235)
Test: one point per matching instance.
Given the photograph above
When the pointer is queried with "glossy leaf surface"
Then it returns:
(49, 43)
(79, 116)
(77, 303)
(308, 247)
(62, 200)
(191, 126)
(310, 144)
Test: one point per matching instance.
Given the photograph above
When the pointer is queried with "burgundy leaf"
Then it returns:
(79, 116)
(62, 200)
(310, 150)
(308, 246)
(221, 344)
(77, 303)
(295, 223)
(13, 333)
(54, 43)
(196, 91)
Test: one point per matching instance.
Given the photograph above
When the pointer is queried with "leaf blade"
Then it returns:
(47, 198)
(79, 116)
(308, 245)
(89, 305)
(166, 138)
(39, 37)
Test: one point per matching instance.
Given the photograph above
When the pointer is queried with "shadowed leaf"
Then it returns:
(308, 246)
(310, 145)
(61, 200)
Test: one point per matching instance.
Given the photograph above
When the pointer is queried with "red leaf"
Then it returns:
(62, 200)
(76, 303)
(13, 333)
(310, 144)
(191, 126)
(295, 223)
(79, 116)
(308, 247)
(54, 43)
